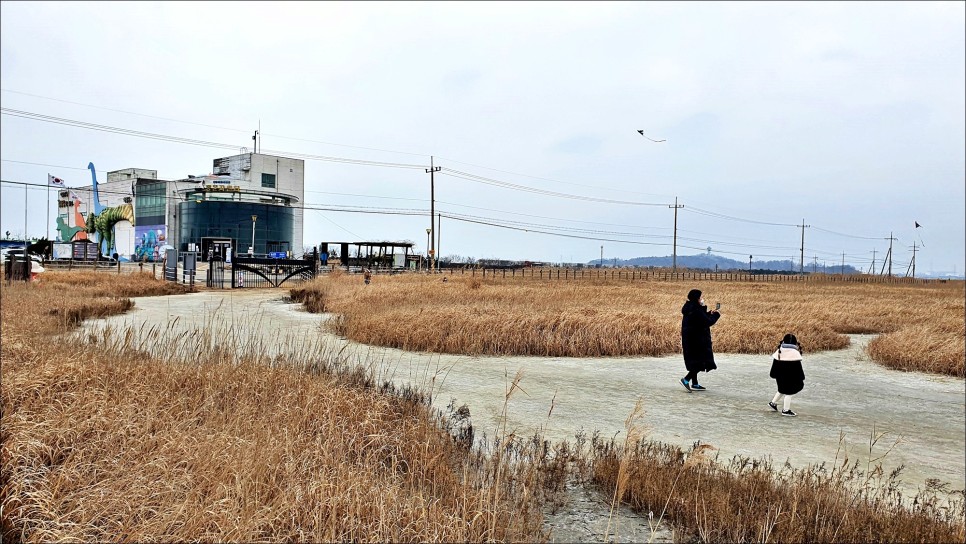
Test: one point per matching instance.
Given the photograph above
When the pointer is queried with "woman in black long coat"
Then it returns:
(696, 322)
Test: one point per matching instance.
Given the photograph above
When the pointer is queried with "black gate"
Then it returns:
(216, 275)
(268, 272)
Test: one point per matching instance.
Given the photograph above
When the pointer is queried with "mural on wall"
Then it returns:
(150, 242)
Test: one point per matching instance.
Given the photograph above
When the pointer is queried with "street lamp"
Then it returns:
(749, 264)
(251, 250)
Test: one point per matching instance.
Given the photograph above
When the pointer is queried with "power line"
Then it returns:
(451, 172)
(507, 185)
(699, 211)
(189, 141)
(551, 180)
(550, 233)
(304, 156)
(52, 165)
(115, 130)
(538, 228)
(209, 126)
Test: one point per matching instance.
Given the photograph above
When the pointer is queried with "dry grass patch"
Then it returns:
(590, 318)
(101, 442)
(749, 500)
(922, 348)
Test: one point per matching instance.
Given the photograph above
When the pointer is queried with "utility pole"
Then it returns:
(674, 262)
(601, 256)
(912, 263)
(428, 269)
(801, 269)
(888, 256)
(843, 263)
(872, 268)
(439, 229)
(432, 209)
(749, 263)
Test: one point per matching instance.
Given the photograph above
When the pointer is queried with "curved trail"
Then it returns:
(845, 395)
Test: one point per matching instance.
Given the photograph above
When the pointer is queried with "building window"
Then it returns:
(268, 180)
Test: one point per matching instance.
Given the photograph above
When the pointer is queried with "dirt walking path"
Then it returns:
(846, 399)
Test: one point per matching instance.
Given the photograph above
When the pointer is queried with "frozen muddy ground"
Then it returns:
(846, 396)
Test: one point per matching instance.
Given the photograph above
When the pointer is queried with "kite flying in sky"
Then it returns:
(641, 132)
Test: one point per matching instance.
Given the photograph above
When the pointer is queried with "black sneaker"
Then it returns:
(685, 384)
(788, 413)
(773, 406)
(698, 387)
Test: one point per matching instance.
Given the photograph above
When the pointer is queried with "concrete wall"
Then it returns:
(131, 174)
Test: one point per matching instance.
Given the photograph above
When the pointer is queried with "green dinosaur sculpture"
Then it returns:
(103, 223)
(67, 232)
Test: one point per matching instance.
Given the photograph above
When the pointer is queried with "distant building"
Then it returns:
(208, 213)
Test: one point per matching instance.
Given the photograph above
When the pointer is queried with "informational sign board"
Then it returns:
(63, 250)
(84, 251)
(171, 265)
(190, 263)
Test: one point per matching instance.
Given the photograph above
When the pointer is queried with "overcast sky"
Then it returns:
(847, 115)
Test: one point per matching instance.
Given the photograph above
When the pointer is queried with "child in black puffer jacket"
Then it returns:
(786, 369)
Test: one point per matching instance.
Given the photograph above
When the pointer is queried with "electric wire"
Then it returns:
(454, 173)
(551, 180)
(448, 171)
(210, 126)
(700, 211)
(544, 192)
(189, 141)
(513, 225)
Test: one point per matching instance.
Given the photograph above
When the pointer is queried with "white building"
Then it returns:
(197, 212)
(258, 172)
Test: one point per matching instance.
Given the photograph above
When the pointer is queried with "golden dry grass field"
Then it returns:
(109, 444)
(101, 441)
(922, 327)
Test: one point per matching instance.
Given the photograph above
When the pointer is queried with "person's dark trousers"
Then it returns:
(692, 377)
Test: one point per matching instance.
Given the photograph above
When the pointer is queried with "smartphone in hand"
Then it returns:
(717, 306)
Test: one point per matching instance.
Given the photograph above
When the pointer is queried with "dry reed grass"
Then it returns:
(592, 318)
(102, 442)
(749, 500)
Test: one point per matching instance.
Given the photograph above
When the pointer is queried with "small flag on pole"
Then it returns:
(55, 181)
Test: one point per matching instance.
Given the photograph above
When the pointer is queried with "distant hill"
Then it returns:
(710, 261)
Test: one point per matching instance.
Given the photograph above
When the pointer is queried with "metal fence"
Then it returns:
(247, 272)
(570, 274)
